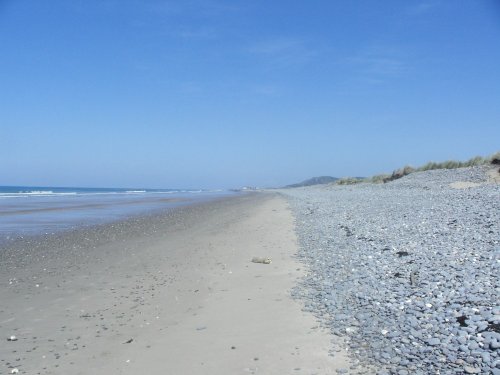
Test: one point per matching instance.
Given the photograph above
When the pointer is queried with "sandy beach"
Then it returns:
(175, 293)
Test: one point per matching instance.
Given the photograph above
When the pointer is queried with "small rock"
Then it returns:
(464, 348)
(486, 357)
(434, 341)
(473, 345)
(471, 370)
(494, 344)
(350, 330)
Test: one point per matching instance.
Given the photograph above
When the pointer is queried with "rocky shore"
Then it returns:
(407, 272)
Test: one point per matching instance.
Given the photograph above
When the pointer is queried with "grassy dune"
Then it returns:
(406, 170)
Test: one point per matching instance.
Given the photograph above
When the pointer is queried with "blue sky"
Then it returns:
(213, 93)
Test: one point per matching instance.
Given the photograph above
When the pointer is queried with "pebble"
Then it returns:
(472, 370)
(437, 315)
(433, 341)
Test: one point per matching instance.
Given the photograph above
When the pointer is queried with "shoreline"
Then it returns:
(123, 228)
(174, 292)
(31, 216)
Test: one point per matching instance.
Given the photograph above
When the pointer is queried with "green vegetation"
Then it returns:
(378, 179)
(452, 164)
(401, 172)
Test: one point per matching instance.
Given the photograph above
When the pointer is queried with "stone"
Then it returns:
(472, 370)
(473, 345)
(445, 320)
(494, 344)
(434, 341)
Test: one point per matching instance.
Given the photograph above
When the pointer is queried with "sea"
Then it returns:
(30, 211)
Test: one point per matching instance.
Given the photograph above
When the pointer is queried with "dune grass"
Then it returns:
(452, 164)
(406, 170)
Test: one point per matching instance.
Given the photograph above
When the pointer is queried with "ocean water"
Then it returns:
(28, 210)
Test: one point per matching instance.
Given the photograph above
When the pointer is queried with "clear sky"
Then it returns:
(226, 93)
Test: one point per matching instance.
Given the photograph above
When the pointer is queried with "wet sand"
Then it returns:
(175, 293)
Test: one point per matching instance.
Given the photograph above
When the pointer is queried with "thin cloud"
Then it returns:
(283, 51)
(190, 88)
(376, 65)
(216, 7)
(203, 8)
(267, 90)
(379, 65)
(196, 33)
(421, 8)
(165, 7)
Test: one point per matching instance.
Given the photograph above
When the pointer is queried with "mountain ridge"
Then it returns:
(319, 180)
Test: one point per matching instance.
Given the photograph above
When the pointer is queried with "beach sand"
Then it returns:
(171, 294)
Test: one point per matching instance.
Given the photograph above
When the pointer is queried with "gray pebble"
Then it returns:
(360, 287)
(472, 370)
(433, 341)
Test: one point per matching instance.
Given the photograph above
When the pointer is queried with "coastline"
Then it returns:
(55, 210)
(174, 292)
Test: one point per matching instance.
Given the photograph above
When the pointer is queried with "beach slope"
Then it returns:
(176, 294)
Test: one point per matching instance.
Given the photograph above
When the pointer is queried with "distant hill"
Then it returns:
(314, 181)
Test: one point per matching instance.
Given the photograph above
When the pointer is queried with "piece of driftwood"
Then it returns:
(261, 260)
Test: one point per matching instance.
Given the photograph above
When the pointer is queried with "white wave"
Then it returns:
(37, 192)
(165, 192)
(51, 193)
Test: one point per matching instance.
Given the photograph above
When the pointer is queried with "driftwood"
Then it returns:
(261, 260)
